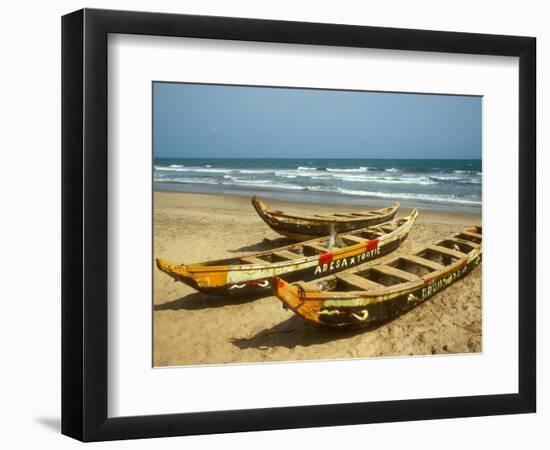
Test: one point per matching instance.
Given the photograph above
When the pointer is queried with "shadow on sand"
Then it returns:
(197, 301)
(265, 245)
(295, 331)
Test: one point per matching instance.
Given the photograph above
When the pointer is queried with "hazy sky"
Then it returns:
(209, 121)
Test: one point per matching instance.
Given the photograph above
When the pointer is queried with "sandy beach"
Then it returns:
(193, 329)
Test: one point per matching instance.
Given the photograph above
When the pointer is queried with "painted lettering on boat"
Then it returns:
(345, 262)
(442, 283)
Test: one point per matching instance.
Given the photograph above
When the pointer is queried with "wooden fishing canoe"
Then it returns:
(303, 261)
(302, 227)
(375, 294)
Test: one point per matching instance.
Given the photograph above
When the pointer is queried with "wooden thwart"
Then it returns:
(376, 232)
(362, 284)
(447, 251)
(253, 260)
(471, 234)
(428, 263)
(464, 242)
(397, 273)
(356, 239)
(316, 247)
(377, 229)
(311, 287)
(287, 255)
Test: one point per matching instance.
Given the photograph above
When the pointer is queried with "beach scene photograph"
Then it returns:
(299, 224)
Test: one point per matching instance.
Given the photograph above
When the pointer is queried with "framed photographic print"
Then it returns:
(273, 224)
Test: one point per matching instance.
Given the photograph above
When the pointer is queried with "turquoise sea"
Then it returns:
(439, 184)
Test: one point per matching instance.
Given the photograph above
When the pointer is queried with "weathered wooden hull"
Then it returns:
(303, 227)
(370, 307)
(226, 277)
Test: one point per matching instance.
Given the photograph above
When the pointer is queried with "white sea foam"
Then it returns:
(423, 181)
(286, 175)
(400, 195)
(254, 171)
(458, 187)
(471, 172)
(359, 169)
(187, 180)
(458, 180)
(264, 184)
(193, 169)
(267, 184)
(443, 178)
(246, 181)
(306, 174)
(336, 176)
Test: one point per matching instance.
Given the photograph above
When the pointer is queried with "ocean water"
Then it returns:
(438, 184)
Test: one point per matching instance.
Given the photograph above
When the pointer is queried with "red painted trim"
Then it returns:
(325, 258)
(371, 245)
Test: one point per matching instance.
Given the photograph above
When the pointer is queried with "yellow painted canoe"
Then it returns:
(301, 227)
(375, 294)
(302, 261)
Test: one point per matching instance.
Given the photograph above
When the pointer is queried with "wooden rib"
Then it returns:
(358, 282)
(376, 233)
(294, 216)
(397, 273)
(423, 262)
(447, 251)
(254, 260)
(366, 214)
(287, 255)
(471, 234)
(316, 247)
(388, 228)
(464, 242)
(315, 217)
(377, 228)
(353, 238)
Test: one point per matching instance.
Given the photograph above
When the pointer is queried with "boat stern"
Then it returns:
(307, 305)
(258, 205)
(208, 280)
(393, 209)
(177, 271)
(410, 220)
(290, 294)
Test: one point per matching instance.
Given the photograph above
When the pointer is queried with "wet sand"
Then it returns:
(192, 329)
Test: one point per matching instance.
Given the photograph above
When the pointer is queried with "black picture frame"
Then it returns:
(84, 224)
